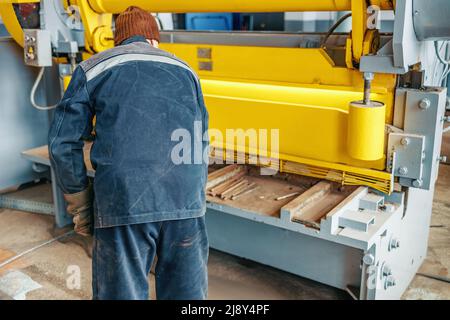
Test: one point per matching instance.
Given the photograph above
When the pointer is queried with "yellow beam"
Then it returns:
(117, 6)
(311, 123)
(297, 67)
(359, 27)
(10, 19)
(97, 26)
(306, 97)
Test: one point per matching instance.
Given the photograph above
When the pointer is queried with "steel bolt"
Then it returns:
(404, 141)
(424, 104)
(386, 270)
(442, 159)
(417, 183)
(394, 244)
(369, 76)
(403, 171)
(390, 282)
(369, 259)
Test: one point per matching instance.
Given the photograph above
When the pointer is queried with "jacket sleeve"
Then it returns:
(205, 125)
(72, 124)
(205, 115)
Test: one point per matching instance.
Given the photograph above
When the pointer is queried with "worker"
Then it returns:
(143, 203)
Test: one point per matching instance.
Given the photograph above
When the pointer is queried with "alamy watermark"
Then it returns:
(73, 280)
(373, 17)
(261, 146)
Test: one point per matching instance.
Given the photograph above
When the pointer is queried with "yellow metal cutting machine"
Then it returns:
(364, 109)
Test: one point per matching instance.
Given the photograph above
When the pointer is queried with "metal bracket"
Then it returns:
(357, 220)
(382, 62)
(416, 151)
(371, 202)
(408, 150)
(403, 51)
(66, 36)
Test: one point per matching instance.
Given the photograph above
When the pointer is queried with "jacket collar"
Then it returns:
(133, 39)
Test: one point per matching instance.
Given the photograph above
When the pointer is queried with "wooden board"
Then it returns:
(40, 155)
(263, 200)
(308, 207)
(315, 203)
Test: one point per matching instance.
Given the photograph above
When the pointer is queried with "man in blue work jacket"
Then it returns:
(146, 204)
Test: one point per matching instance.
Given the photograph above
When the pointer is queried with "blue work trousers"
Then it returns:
(123, 256)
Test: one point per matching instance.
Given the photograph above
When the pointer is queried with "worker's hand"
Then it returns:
(79, 205)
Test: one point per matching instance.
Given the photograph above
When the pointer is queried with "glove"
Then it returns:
(79, 205)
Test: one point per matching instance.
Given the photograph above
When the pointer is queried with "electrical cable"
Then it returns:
(446, 63)
(33, 94)
(334, 27)
(437, 65)
(438, 54)
(20, 255)
(445, 75)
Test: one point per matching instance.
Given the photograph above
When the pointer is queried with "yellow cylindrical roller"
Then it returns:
(365, 136)
(180, 6)
(117, 6)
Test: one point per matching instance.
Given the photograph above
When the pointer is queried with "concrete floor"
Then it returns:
(51, 267)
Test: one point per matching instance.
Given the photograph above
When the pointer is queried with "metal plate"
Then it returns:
(409, 151)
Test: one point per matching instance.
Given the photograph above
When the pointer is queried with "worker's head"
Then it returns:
(136, 22)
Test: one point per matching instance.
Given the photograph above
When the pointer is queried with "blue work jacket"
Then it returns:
(147, 103)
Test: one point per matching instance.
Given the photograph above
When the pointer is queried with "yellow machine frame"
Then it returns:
(299, 91)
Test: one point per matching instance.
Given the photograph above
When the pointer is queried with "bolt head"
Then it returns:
(390, 282)
(369, 259)
(369, 76)
(394, 244)
(387, 271)
(404, 141)
(424, 104)
(443, 159)
(417, 183)
(403, 171)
